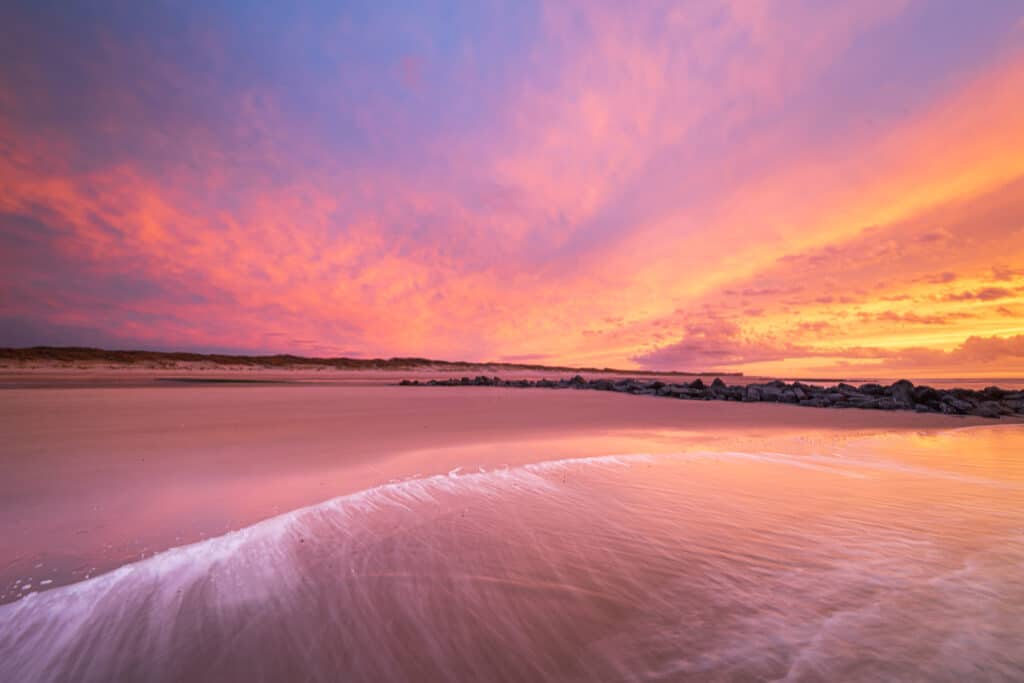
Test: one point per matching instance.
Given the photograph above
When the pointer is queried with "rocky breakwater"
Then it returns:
(990, 402)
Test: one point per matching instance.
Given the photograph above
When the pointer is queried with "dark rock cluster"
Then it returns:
(902, 395)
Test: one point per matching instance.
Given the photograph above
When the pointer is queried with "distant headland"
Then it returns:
(76, 355)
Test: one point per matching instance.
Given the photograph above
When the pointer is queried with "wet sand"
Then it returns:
(97, 477)
(235, 532)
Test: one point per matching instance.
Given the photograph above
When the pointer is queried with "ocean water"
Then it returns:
(887, 558)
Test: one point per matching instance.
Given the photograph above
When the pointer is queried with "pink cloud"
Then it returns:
(984, 294)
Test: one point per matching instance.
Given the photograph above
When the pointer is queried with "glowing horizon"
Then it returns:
(740, 186)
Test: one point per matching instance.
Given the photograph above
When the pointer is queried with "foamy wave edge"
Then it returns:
(209, 551)
(181, 563)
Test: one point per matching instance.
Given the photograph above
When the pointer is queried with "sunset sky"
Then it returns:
(770, 187)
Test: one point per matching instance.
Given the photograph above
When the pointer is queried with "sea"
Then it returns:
(896, 557)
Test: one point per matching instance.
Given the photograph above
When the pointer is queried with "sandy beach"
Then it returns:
(97, 474)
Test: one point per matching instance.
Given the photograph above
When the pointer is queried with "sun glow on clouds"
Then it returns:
(737, 185)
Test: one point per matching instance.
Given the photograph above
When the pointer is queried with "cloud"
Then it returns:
(1004, 273)
(915, 318)
(711, 344)
(940, 278)
(984, 294)
(727, 351)
(591, 179)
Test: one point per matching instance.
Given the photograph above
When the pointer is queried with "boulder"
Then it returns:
(903, 393)
(865, 402)
(923, 394)
(956, 405)
(816, 402)
(989, 409)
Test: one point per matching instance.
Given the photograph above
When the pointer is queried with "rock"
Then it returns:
(814, 402)
(988, 409)
(958, 406)
(991, 402)
(923, 394)
(871, 389)
(993, 393)
(865, 402)
(903, 393)
(675, 390)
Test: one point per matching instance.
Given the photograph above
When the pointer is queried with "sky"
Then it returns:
(780, 187)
